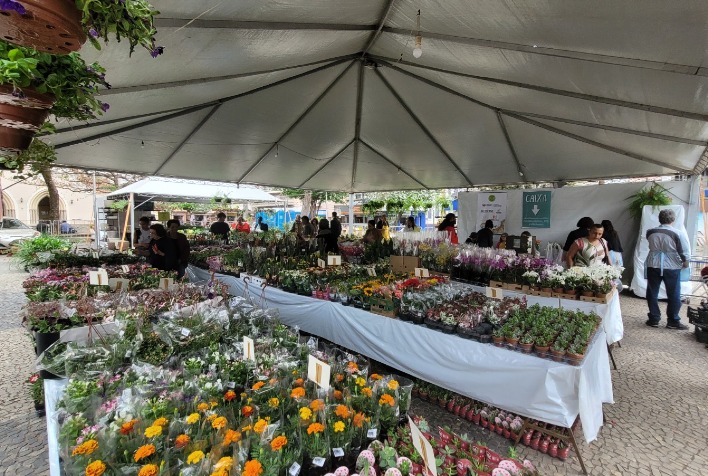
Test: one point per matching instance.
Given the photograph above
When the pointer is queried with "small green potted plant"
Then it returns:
(36, 389)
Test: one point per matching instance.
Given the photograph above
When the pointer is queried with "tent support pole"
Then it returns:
(511, 145)
(422, 127)
(297, 121)
(351, 213)
(395, 165)
(95, 213)
(357, 121)
(131, 203)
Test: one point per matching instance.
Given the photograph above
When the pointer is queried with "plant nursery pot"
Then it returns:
(52, 26)
(13, 141)
(526, 439)
(39, 409)
(535, 442)
(574, 359)
(500, 429)
(493, 458)
(498, 341)
(484, 423)
(563, 453)
(558, 290)
(475, 418)
(492, 427)
(558, 356)
(546, 290)
(450, 406)
(512, 341)
(587, 293)
(525, 348)
(479, 451)
(553, 450)
(485, 338)
(44, 340)
(543, 446)
(541, 349)
(447, 328)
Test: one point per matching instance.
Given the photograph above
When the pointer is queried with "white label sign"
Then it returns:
(125, 268)
(371, 271)
(257, 281)
(321, 263)
(423, 447)
(372, 432)
(98, 278)
(337, 452)
(495, 293)
(294, 469)
(334, 260)
(166, 283)
(119, 284)
(319, 461)
(249, 352)
(422, 273)
(318, 372)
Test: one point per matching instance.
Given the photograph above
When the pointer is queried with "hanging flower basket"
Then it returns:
(52, 26)
(21, 115)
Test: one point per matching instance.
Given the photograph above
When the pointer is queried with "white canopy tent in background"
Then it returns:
(170, 190)
(327, 95)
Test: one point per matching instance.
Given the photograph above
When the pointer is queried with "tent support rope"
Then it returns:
(511, 146)
(339, 152)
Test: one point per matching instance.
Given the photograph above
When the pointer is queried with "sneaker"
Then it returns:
(652, 323)
(677, 326)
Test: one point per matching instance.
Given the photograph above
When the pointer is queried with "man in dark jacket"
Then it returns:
(182, 246)
(336, 229)
(485, 236)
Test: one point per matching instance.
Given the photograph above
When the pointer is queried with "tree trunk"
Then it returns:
(54, 204)
(306, 204)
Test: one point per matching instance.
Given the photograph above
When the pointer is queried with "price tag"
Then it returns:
(334, 260)
(125, 268)
(128, 354)
(166, 283)
(371, 271)
(423, 447)
(98, 278)
(319, 461)
(249, 352)
(294, 469)
(240, 264)
(372, 433)
(119, 284)
(495, 293)
(185, 332)
(231, 384)
(337, 452)
(422, 273)
(321, 263)
(318, 372)
(257, 281)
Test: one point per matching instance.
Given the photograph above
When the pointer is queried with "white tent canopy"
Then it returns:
(168, 190)
(327, 94)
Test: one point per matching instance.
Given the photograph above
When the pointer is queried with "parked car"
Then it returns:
(12, 231)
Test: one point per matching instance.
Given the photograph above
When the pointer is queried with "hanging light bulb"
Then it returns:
(276, 150)
(142, 144)
(418, 49)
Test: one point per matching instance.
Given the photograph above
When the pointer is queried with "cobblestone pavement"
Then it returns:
(656, 427)
(23, 436)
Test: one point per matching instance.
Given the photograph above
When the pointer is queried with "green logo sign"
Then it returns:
(492, 198)
(536, 210)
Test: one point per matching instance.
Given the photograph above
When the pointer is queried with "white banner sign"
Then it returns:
(492, 206)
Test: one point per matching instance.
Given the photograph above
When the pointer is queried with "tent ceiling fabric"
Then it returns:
(327, 95)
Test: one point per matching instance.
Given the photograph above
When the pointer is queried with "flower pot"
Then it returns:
(512, 341)
(563, 453)
(14, 141)
(492, 427)
(498, 340)
(500, 429)
(52, 26)
(450, 405)
(588, 293)
(525, 348)
(553, 449)
(558, 290)
(526, 439)
(541, 350)
(44, 340)
(475, 418)
(557, 355)
(39, 409)
(546, 290)
(535, 442)
(543, 446)
(507, 433)
(447, 328)
(484, 423)
(574, 359)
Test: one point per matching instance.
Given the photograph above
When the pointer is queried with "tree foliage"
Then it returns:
(312, 199)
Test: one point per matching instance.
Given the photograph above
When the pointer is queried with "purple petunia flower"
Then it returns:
(105, 106)
(12, 5)
(93, 32)
(157, 51)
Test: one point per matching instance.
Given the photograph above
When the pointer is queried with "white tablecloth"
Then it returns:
(538, 388)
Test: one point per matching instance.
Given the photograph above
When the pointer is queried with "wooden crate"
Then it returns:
(544, 294)
(404, 264)
(513, 287)
(496, 284)
(598, 299)
(383, 307)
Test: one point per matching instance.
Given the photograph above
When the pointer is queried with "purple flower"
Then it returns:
(105, 106)
(157, 51)
(12, 5)
(93, 32)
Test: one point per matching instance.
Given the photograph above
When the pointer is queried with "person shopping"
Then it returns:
(373, 234)
(448, 225)
(163, 250)
(182, 244)
(410, 226)
(613, 243)
(582, 231)
(501, 244)
(669, 251)
(326, 241)
(220, 229)
(589, 251)
(485, 236)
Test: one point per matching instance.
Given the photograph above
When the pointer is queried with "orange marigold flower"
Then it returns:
(219, 423)
(352, 366)
(299, 382)
(181, 441)
(202, 407)
(212, 417)
(342, 411)
(247, 411)
(232, 436)
(317, 405)
(337, 394)
(375, 377)
(315, 428)
(386, 399)
(273, 381)
(339, 377)
(297, 392)
(127, 427)
(143, 452)
(85, 448)
(257, 385)
(359, 420)
(252, 468)
(278, 443)
(230, 395)
(149, 470)
(162, 421)
(367, 391)
(95, 468)
(260, 426)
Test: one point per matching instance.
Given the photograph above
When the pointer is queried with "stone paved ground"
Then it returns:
(657, 426)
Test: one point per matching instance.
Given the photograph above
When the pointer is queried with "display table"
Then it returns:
(538, 388)
(53, 391)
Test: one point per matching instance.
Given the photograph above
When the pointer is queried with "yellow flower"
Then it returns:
(252, 468)
(214, 404)
(162, 421)
(219, 423)
(305, 413)
(195, 457)
(85, 448)
(393, 384)
(247, 428)
(273, 402)
(220, 472)
(212, 417)
(149, 470)
(193, 418)
(224, 463)
(339, 426)
(360, 381)
(143, 452)
(153, 431)
(202, 407)
(278, 443)
(260, 425)
(95, 468)
(367, 391)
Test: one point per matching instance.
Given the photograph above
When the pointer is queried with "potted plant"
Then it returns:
(563, 450)
(526, 342)
(62, 26)
(34, 85)
(36, 383)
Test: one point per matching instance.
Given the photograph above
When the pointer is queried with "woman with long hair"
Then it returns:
(613, 243)
(448, 225)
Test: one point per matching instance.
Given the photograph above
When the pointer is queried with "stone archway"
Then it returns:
(8, 206)
(39, 208)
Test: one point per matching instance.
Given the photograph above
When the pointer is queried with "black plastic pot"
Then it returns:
(43, 341)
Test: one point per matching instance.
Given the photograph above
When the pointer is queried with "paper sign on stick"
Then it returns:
(249, 351)
(422, 273)
(495, 293)
(98, 278)
(423, 447)
(166, 283)
(371, 271)
(125, 268)
(334, 260)
(119, 284)
(321, 263)
(318, 372)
